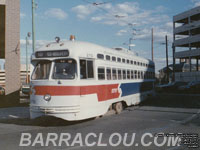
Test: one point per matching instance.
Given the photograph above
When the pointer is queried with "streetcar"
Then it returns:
(75, 80)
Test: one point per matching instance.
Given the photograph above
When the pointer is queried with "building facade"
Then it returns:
(186, 46)
(10, 43)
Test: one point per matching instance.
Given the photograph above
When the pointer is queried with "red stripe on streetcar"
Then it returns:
(104, 92)
(57, 90)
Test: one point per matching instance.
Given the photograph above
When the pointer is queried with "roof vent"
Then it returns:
(57, 39)
(118, 48)
(72, 38)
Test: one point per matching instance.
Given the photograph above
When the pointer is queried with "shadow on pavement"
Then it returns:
(42, 122)
(2, 105)
(173, 100)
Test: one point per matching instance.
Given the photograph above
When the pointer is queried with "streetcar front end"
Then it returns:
(53, 90)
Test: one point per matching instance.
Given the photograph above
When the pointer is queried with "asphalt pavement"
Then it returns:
(107, 130)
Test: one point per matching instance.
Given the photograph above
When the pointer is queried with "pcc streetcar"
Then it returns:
(76, 80)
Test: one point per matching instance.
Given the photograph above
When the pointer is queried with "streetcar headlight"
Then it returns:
(47, 97)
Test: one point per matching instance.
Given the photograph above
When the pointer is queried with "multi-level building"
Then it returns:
(186, 46)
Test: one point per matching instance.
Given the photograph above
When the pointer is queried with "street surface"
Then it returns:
(137, 119)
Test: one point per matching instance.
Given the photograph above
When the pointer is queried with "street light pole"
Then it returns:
(27, 76)
(26, 60)
(33, 24)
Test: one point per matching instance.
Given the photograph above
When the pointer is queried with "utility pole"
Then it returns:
(174, 60)
(152, 44)
(167, 58)
(33, 24)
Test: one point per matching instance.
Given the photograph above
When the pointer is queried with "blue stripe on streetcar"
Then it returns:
(133, 88)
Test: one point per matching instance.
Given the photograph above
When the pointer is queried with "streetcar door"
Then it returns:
(86, 74)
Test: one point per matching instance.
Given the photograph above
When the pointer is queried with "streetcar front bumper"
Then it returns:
(65, 107)
(55, 110)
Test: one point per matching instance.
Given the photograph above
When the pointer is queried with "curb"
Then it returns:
(195, 116)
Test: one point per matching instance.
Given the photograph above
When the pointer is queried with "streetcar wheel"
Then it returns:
(118, 107)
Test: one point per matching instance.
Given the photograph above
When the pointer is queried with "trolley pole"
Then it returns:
(33, 24)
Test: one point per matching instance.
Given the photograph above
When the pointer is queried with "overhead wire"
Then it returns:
(117, 16)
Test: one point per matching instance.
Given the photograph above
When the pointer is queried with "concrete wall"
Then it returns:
(2, 2)
(12, 49)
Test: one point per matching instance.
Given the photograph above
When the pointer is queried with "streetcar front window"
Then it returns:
(64, 69)
(42, 70)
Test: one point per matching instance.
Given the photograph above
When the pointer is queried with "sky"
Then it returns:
(109, 23)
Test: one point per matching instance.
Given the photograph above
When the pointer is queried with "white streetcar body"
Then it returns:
(76, 80)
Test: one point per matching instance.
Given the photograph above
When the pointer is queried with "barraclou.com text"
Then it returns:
(93, 139)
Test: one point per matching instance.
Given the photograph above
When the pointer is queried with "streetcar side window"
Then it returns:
(101, 73)
(128, 74)
(135, 72)
(113, 58)
(124, 74)
(132, 75)
(131, 62)
(100, 56)
(138, 74)
(90, 70)
(107, 57)
(86, 69)
(118, 59)
(119, 74)
(108, 73)
(134, 62)
(127, 61)
(123, 60)
(114, 74)
(83, 69)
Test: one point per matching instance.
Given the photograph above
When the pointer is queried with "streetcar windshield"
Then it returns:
(64, 69)
(42, 70)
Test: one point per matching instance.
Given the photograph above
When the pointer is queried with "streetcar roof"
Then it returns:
(81, 49)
